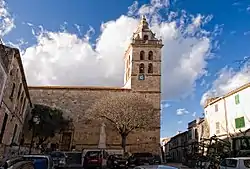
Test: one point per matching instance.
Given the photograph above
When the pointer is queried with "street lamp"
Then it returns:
(35, 121)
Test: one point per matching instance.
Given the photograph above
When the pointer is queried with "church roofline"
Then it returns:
(77, 88)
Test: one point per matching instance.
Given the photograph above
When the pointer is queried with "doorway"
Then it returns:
(66, 140)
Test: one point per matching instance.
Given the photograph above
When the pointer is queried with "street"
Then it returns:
(177, 165)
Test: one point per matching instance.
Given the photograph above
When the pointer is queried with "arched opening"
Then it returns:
(141, 68)
(150, 68)
(142, 55)
(145, 37)
(150, 55)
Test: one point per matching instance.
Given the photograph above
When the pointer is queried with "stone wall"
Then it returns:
(76, 100)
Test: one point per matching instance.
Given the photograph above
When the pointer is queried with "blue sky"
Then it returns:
(203, 39)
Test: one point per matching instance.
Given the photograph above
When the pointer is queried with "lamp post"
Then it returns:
(35, 121)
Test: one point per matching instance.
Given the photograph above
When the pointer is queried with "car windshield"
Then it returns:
(143, 155)
(93, 153)
(119, 156)
(37, 159)
(57, 154)
(247, 163)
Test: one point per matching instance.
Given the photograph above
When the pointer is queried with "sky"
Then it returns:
(205, 53)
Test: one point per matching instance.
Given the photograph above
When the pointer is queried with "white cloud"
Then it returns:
(6, 19)
(247, 33)
(181, 112)
(180, 122)
(248, 8)
(164, 105)
(60, 54)
(228, 80)
(194, 114)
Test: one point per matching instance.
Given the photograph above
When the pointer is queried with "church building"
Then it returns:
(142, 74)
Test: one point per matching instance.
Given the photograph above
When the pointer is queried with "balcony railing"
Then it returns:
(147, 42)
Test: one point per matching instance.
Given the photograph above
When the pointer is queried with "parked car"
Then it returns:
(235, 163)
(40, 161)
(169, 158)
(95, 159)
(137, 159)
(157, 159)
(155, 167)
(17, 162)
(117, 161)
(59, 159)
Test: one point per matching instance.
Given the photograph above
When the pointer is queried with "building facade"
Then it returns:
(177, 145)
(142, 75)
(15, 102)
(228, 115)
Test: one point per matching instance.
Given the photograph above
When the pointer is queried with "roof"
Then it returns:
(240, 158)
(211, 101)
(179, 134)
(78, 88)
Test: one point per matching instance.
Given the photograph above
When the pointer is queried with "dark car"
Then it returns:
(116, 161)
(157, 159)
(169, 158)
(140, 159)
(93, 159)
(59, 159)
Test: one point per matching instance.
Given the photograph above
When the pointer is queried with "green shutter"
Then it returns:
(239, 122)
(237, 99)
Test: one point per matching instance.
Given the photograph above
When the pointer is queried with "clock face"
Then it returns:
(141, 77)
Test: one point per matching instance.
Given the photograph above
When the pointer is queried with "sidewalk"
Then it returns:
(177, 165)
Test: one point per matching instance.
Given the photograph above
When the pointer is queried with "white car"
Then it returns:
(235, 163)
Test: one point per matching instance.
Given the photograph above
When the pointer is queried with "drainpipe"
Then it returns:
(225, 108)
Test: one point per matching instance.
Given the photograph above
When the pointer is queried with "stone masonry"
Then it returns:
(142, 75)
(15, 97)
(75, 101)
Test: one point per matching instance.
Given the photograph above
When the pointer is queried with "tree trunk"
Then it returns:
(124, 139)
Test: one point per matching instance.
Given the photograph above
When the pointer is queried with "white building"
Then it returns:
(229, 114)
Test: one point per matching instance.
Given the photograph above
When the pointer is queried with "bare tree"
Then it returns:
(206, 132)
(126, 112)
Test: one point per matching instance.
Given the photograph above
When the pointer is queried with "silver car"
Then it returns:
(155, 167)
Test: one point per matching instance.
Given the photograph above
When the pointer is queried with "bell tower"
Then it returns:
(143, 75)
(143, 60)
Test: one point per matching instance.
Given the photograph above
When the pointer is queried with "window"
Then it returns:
(12, 91)
(14, 134)
(21, 102)
(19, 90)
(150, 55)
(237, 99)
(12, 71)
(196, 134)
(232, 163)
(217, 127)
(23, 106)
(150, 68)
(142, 55)
(145, 37)
(141, 68)
(3, 127)
(190, 134)
(239, 122)
(216, 108)
(247, 163)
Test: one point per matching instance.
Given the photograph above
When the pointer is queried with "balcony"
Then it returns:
(146, 42)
